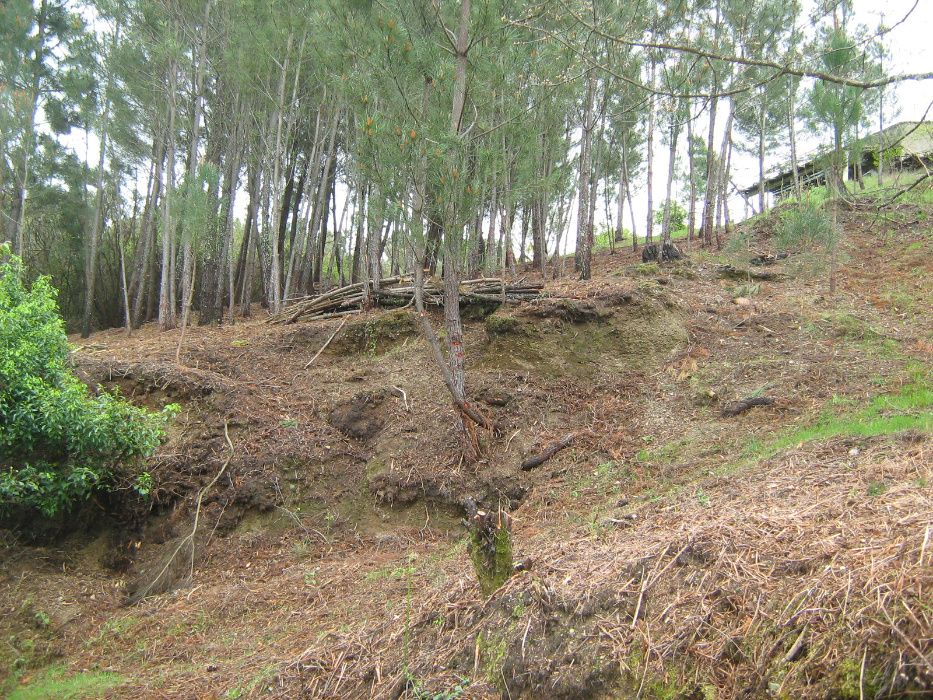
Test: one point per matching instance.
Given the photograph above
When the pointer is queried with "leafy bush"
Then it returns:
(58, 442)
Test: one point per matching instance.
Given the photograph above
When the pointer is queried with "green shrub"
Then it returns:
(810, 230)
(58, 442)
(806, 226)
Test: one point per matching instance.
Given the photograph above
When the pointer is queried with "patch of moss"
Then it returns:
(647, 269)
(492, 650)
(498, 325)
(852, 683)
(845, 325)
(478, 310)
(638, 336)
(493, 563)
(377, 334)
(683, 269)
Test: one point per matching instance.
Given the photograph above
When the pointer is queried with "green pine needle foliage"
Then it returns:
(58, 441)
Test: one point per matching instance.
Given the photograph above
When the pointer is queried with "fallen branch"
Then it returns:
(548, 452)
(324, 346)
(189, 538)
(734, 409)
(397, 291)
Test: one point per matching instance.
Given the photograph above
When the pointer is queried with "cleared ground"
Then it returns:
(672, 551)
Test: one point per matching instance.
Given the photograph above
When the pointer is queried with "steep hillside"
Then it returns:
(304, 536)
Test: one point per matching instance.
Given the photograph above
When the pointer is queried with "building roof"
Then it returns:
(914, 139)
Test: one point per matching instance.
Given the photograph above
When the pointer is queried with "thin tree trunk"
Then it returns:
(584, 238)
(127, 321)
(649, 223)
(721, 179)
(225, 264)
(691, 176)
(708, 199)
(90, 262)
(672, 160)
(17, 220)
(792, 133)
(142, 279)
(274, 292)
(761, 154)
(166, 298)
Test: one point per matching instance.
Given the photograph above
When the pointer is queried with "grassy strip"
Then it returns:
(54, 683)
(887, 414)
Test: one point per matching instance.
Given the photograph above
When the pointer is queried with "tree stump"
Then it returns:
(667, 252)
(490, 546)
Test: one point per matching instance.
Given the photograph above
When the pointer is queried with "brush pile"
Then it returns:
(398, 291)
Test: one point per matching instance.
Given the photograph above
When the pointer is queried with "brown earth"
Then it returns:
(672, 553)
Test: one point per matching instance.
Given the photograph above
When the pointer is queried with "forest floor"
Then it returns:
(671, 551)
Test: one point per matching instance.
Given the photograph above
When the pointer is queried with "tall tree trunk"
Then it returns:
(709, 201)
(584, 237)
(620, 209)
(274, 291)
(374, 245)
(17, 219)
(90, 261)
(668, 193)
(142, 279)
(166, 286)
(761, 155)
(722, 176)
(691, 176)
(127, 321)
(326, 186)
(250, 241)
(792, 133)
(649, 223)
(224, 281)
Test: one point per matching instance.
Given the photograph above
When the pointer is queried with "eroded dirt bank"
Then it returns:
(672, 551)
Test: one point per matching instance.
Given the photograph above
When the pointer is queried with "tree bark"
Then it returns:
(17, 221)
(90, 262)
(166, 298)
(584, 237)
(649, 223)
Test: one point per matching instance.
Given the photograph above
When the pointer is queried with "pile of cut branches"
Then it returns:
(396, 291)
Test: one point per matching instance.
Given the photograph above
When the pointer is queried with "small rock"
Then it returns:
(741, 301)
(211, 668)
(854, 451)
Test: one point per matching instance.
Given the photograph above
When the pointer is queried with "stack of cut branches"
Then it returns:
(397, 291)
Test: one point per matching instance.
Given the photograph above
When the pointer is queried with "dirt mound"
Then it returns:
(376, 334)
(581, 338)
(145, 377)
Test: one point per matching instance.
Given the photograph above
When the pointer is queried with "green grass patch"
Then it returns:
(55, 682)
(911, 408)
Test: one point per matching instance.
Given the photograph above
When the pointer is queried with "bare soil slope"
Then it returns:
(671, 551)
